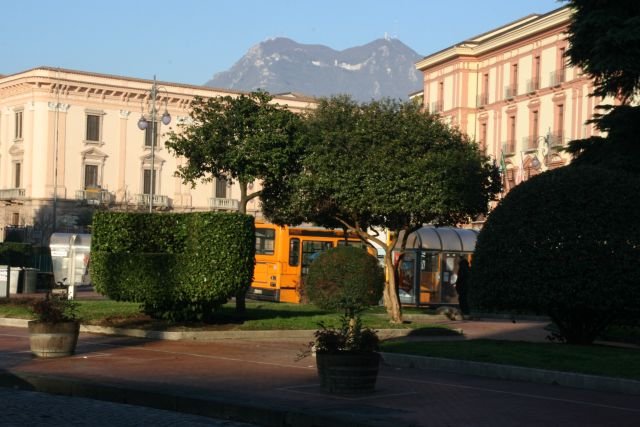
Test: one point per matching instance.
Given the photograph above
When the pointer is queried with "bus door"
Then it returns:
(449, 267)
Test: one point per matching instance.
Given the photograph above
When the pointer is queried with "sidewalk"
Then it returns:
(256, 379)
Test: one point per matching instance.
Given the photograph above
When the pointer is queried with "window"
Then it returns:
(91, 176)
(483, 136)
(221, 188)
(93, 127)
(17, 174)
(511, 145)
(536, 73)
(147, 182)
(294, 252)
(559, 124)
(152, 128)
(15, 219)
(18, 130)
(265, 241)
(534, 126)
(514, 80)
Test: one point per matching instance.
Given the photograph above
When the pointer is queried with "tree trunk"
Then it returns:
(391, 299)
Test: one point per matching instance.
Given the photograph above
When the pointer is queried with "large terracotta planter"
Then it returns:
(348, 372)
(53, 339)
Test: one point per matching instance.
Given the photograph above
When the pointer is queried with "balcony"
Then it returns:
(223, 204)
(530, 143)
(482, 100)
(158, 200)
(510, 91)
(436, 107)
(509, 147)
(556, 139)
(557, 77)
(533, 85)
(94, 196)
(12, 194)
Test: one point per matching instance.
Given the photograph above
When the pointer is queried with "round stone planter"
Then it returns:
(53, 339)
(347, 372)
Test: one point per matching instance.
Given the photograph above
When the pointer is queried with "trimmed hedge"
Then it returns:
(345, 278)
(566, 244)
(178, 266)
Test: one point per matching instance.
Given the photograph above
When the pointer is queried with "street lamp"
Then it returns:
(143, 124)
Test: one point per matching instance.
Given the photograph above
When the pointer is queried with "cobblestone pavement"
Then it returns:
(28, 408)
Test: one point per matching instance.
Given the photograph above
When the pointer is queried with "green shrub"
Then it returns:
(345, 278)
(177, 266)
(16, 254)
(566, 244)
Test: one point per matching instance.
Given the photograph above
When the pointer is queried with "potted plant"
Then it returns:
(349, 279)
(55, 329)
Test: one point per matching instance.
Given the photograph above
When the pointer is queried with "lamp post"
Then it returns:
(143, 124)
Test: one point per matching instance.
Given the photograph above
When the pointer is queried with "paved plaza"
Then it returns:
(259, 381)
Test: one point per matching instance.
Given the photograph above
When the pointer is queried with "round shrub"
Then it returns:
(565, 243)
(345, 278)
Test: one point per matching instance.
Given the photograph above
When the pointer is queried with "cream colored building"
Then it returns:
(70, 143)
(511, 90)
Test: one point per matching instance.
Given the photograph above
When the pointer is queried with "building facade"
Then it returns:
(513, 91)
(70, 144)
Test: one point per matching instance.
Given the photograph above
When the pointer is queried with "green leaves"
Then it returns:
(243, 138)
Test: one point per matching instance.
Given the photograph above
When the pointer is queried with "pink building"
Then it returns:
(512, 90)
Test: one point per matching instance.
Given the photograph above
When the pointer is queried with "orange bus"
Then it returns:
(283, 256)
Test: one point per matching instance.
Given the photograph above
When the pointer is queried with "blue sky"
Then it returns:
(188, 41)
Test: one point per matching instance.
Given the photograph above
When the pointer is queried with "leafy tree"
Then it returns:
(565, 243)
(604, 38)
(243, 139)
(387, 165)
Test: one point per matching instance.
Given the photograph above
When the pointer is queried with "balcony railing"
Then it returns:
(436, 107)
(509, 147)
(557, 77)
(158, 200)
(226, 204)
(94, 196)
(533, 85)
(530, 143)
(482, 100)
(12, 193)
(510, 91)
(556, 139)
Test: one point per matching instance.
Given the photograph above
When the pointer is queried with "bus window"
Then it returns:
(265, 241)
(294, 252)
(310, 251)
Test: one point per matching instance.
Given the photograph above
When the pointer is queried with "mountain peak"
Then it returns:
(381, 68)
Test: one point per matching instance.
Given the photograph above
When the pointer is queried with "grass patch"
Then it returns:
(259, 316)
(593, 360)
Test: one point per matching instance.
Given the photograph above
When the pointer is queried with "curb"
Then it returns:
(267, 415)
(509, 372)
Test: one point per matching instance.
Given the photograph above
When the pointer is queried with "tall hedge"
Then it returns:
(178, 266)
(566, 244)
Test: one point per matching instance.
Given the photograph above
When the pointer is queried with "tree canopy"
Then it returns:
(604, 37)
(243, 139)
(384, 164)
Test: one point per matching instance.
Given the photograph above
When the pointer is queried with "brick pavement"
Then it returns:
(259, 381)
